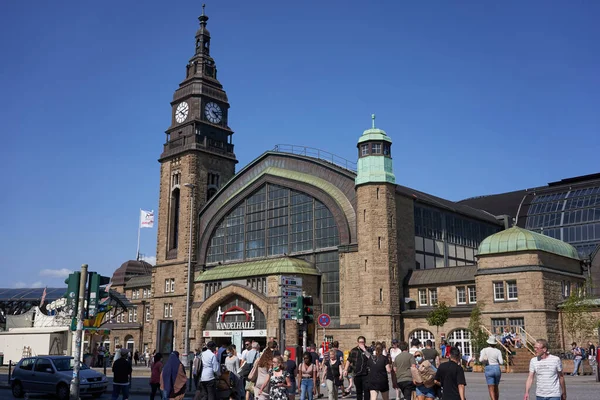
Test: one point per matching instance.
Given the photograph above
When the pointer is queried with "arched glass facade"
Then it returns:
(275, 221)
(572, 216)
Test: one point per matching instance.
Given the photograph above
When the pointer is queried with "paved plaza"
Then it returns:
(512, 387)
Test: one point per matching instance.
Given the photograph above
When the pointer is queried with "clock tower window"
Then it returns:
(174, 219)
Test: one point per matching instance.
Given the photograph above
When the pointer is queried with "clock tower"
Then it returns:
(197, 159)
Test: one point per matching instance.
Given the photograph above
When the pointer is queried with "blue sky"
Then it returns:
(479, 97)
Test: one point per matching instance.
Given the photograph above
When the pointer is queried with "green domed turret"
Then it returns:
(518, 239)
(375, 157)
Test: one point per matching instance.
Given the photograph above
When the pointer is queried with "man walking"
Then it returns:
(121, 372)
(431, 354)
(548, 373)
(578, 354)
(402, 364)
(358, 358)
(209, 373)
(451, 377)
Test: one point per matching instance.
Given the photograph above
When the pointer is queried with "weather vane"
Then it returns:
(373, 118)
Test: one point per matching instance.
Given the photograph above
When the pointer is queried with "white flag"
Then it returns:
(146, 219)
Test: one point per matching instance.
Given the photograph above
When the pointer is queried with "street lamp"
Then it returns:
(186, 341)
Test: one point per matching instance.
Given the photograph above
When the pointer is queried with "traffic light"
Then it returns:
(97, 299)
(72, 294)
(308, 314)
(299, 308)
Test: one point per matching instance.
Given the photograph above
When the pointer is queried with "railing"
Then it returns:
(316, 153)
(506, 349)
(529, 344)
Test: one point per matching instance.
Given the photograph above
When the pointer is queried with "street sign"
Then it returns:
(324, 320)
(287, 304)
(287, 314)
(291, 292)
(291, 281)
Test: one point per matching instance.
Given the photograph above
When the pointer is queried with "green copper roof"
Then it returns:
(374, 134)
(518, 239)
(273, 266)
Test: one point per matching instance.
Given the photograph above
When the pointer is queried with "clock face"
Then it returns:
(181, 112)
(213, 112)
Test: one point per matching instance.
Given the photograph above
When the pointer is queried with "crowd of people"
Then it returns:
(416, 370)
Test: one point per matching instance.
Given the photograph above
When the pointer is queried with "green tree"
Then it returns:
(438, 316)
(579, 322)
(478, 335)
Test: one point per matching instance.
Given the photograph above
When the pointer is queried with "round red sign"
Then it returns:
(324, 320)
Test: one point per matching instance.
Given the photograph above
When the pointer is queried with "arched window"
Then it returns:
(174, 220)
(462, 339)
(422, 335)
(273, 220)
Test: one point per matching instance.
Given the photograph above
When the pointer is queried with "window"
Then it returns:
(42, 365)
(511, 288)
(566, 289)
(364, 149)
(170, 285)
(498, 290)
(386, 149)
(147, 314)
(472, 295)
(462, 339)
(145, 293)
(433, 299)
(130, 314)
(498, 325)
(27, 364)
(422, 297)
(211, 288)
(168, 310)
(135, 314)
(376, 148)
(423, 335)
(461, 295)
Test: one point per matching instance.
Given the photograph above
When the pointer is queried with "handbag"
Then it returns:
(253, 375)
(249, 386)
(247, 368)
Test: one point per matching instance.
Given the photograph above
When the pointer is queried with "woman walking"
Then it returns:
(307, 378)
(157, 367)
(290, 367)
(332, 372)
(491, 358)
(279, 381)
(173, 379)
(424, 377)
(379, 367)
(263, 365)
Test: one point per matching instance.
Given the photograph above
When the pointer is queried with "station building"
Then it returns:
(375, 256)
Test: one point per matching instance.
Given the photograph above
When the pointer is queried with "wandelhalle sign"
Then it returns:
(225, 323)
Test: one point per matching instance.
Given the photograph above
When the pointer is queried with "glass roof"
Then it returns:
(31, 294)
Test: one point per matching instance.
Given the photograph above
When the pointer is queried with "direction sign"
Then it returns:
(286, 314)
(287, 304)
(291, 292)
(291, 281)
(324, 320)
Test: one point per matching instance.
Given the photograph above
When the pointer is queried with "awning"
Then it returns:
(275, 266)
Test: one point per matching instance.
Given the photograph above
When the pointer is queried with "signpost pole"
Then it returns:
(74, 390)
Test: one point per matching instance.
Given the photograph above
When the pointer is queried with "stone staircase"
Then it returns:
(520, 360)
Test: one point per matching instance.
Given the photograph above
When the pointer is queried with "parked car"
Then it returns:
(52, 375)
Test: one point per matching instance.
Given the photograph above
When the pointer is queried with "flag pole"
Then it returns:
(137, 254)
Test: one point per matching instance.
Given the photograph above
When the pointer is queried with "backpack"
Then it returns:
(582, 351)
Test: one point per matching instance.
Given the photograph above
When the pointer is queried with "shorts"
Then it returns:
(429, 393)
(492, 374)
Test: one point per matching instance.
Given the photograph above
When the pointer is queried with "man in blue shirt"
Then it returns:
(210, 371)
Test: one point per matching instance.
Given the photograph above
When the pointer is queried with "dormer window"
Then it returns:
(376, 148)
(386, 149)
